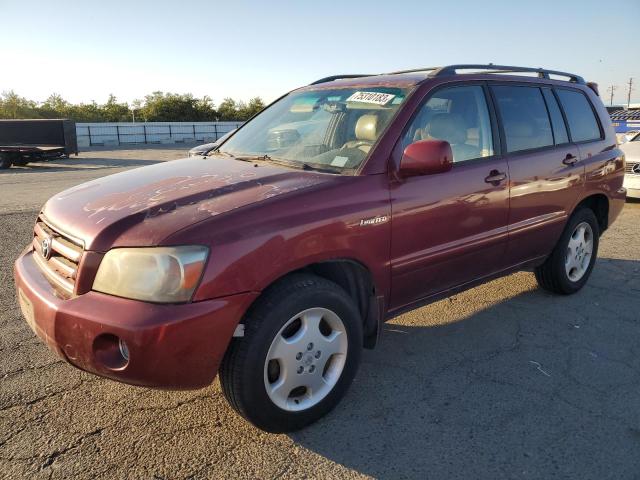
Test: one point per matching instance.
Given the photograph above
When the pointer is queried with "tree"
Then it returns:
(112, 111)
(156, 107)
(13, 105)
(255, 105)
(54, 107)
(228, 110)
(173, 107)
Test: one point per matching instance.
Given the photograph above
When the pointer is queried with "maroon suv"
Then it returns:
(276, 258)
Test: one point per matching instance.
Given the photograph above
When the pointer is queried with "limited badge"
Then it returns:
(374, 221)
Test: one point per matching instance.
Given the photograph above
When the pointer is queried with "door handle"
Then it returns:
(495, 177)
(570, 159)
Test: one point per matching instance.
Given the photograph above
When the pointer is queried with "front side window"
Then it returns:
(327, 129)
(524, 117)
(582, 121)
(458, 115)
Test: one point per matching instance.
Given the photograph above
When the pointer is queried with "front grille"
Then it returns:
(629, 168)
(61, 268)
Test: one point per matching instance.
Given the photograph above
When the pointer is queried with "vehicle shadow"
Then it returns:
(534, 385)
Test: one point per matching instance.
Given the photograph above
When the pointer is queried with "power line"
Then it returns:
(611, 90)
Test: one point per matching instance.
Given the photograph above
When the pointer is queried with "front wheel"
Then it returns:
(300, 352)
(569, 266)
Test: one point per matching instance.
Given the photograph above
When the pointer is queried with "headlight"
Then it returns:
(157, 274)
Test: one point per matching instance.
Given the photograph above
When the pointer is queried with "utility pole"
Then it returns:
(611, 89)
(629, 92)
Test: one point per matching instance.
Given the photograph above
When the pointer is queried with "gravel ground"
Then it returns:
(502, 381)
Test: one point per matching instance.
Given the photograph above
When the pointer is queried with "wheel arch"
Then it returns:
(357, 280)
(599, 204)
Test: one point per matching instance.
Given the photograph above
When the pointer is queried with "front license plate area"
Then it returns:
(27, 309)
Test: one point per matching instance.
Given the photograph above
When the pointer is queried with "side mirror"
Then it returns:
(426, 157)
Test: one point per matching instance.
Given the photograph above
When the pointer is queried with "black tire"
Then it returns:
(5, 161)
(552, 275)
(242, 369)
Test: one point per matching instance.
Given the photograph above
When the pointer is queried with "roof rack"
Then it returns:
(413, 70)
(491, 68)
(339, 77)
(453, 70)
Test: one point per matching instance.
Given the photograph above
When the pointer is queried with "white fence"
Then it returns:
(90, 134)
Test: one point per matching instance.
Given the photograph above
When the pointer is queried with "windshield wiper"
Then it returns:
(215, 151)
(286, 163)
(308, 166)
(253, 158)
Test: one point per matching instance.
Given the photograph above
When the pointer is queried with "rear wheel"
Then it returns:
(300, 352)
(570, 264)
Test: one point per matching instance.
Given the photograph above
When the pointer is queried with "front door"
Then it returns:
(450, 228)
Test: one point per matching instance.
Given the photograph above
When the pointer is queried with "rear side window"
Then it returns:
(582, 121)
(524, 117)
(557, 122)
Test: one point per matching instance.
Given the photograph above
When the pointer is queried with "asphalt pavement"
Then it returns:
(501, 381)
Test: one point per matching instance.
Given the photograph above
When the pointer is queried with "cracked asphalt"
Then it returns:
(502, 381)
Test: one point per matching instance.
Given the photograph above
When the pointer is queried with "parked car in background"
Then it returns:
(277, 259)
(631, 149)
(207, 148)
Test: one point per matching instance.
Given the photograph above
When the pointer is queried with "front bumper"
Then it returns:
(632, 184)
(169, 346)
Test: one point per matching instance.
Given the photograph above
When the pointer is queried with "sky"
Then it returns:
(85, 50)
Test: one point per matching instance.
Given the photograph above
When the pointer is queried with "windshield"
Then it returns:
(330, 130)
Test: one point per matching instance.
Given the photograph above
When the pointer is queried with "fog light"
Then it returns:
(110, 351)
(124, 350)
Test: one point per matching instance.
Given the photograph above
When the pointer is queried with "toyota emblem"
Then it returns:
(636, 168)
(46, 248)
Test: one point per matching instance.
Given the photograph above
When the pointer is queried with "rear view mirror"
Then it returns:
(426, 157)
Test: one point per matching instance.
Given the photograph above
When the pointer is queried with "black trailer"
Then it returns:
(24, 141)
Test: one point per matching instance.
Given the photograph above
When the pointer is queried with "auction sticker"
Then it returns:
(376, 98)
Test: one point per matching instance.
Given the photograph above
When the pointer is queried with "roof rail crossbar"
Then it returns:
(338, 77)
(413, 70)
(542, 72)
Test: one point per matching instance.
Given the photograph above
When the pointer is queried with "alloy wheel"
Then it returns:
(579, 251)
(305, 359)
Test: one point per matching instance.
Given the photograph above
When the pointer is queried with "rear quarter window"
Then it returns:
(583, 125)
(559, 129)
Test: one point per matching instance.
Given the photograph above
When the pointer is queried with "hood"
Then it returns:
(144, 205)
(631, 151)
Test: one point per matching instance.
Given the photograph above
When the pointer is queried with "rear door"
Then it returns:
(545, 171)
(450, 228)
(597, 154)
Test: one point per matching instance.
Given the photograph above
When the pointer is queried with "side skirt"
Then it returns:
(527, 266)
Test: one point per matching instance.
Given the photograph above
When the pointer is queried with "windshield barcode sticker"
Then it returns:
(376, 98)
